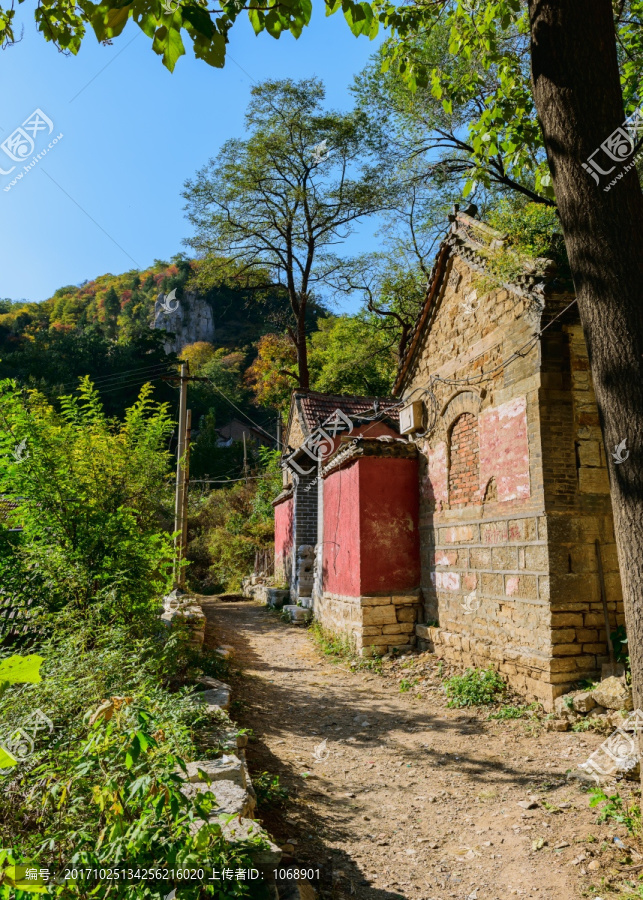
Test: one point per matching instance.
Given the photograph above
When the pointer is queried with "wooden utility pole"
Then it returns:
(279, 432)
(186, 485)
(179, 505)
(245, 458)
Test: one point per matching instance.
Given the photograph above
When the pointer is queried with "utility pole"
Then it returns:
(245, 458)
(186, 488)
(279, 432)
(179, 578)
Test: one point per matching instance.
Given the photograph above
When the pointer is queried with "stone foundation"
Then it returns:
(535, 677)
(374, 625)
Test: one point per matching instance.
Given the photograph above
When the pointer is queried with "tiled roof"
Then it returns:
(316, 407)
(466, 239)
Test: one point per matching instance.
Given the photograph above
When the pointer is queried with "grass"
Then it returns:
(515, 712)
(269, 790)
(617, 810)
(477, 687)
(342, 647)
(406, 685)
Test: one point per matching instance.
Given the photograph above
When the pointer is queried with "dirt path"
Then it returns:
(413, 800)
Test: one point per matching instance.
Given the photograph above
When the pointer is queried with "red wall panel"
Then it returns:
(371, 537)
(283, 533)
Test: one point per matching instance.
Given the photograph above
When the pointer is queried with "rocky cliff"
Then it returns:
(185, 321)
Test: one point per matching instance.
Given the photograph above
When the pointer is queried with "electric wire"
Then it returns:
(271, 436)
(116, 375)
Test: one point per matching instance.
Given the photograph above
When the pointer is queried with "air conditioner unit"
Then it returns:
(411, 417)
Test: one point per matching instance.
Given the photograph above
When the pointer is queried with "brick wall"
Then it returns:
(464, 466)
(511, 576)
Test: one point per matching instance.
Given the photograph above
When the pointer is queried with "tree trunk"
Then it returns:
(302, 347)
(579, 101)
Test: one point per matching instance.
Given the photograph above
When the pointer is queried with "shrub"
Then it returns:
(477, 687)
(86, 490)
(108, 793)
(230, 526)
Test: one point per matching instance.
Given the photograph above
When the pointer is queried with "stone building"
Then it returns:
(510, 506)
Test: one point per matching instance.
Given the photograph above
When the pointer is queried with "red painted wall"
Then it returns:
(341, 554)
(389, 513)
(283, 534)
(371, 537)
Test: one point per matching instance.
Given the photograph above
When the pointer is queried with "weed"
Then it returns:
(583, 725)
(406, 685)
(341, 646)
(616, 810)
(440, 669)
(477, 687)
(509, 712)
(268, 789)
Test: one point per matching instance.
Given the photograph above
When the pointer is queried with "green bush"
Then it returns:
(87, 490)
(477, 687)
(108, 793)
(230, 526)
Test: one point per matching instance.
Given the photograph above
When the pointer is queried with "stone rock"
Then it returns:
(528, 804)
(617, 718)
(296, 890)
(240, 830)
(182, 610)
(613, 693)
(230, 740)
(557, 725)
(227, 768)
(185, 321)
(217, 695)
(583, 702)
(299, 615)
(276, 597)
(230, 798)
(564, 706)
(225, 651)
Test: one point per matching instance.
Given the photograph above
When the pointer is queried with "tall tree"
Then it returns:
(281, 199)
(580, 97)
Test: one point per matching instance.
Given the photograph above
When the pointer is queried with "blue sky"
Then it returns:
(107, 196)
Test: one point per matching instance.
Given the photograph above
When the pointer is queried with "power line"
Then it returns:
(227, 399)
(125, 372)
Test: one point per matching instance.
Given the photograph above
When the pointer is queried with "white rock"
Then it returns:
(228, 768)
(230, 798)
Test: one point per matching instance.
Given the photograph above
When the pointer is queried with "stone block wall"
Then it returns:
(513, 490)
(372, 625)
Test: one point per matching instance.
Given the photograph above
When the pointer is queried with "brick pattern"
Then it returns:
(464, 478)
(373, 625)
(524, 560)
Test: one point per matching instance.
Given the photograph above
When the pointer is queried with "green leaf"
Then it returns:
(21, 669)
(7, 761)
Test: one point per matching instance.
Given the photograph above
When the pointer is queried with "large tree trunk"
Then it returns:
(302, 347)
(579, 101)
